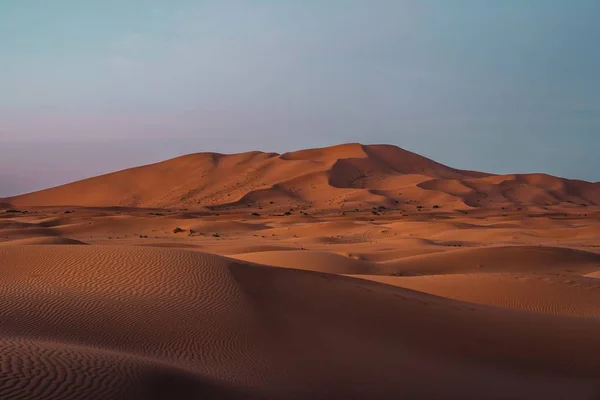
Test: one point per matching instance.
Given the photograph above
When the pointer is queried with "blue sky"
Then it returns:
(500, 86)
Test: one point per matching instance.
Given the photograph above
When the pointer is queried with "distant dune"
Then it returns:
(353, 175)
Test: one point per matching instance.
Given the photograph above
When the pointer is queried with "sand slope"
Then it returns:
(349, 176)
(42, 240)
(133, 322)
(559, 293)
(350, 272)
(496, 259)
(310, 260)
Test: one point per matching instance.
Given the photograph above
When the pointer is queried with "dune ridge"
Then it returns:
(226, 329)
(352, 175)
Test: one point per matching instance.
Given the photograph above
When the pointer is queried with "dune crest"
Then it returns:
(355, 175)
(225, 329)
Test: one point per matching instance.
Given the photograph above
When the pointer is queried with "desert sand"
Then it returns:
(351, 272)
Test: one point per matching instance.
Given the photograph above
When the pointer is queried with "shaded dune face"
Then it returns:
(42, 370)
(137, 322)
(124, 323)
(55, 240)
(497, 259)
(557, 294)
(351, 174)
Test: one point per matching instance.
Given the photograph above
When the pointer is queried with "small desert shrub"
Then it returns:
(436, 206)
(287, 213)
(177, 230)
(254, 214)
(216, 235)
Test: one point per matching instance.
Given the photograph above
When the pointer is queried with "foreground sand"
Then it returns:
(112, 304)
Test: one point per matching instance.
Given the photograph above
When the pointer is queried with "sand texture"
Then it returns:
(349, 272)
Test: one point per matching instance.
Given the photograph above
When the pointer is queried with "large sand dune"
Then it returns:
(350, 272)
(117, 322)
(349, 176)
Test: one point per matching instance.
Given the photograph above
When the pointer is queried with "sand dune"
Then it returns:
(222, 329)
(535, 259)
(310, 260)
(350, 272)
(43, 240)
(563, 294)
(355, 175)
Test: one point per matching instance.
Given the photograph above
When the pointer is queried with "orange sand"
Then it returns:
(365, 290)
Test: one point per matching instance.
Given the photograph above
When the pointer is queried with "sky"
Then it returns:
(88, 87)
